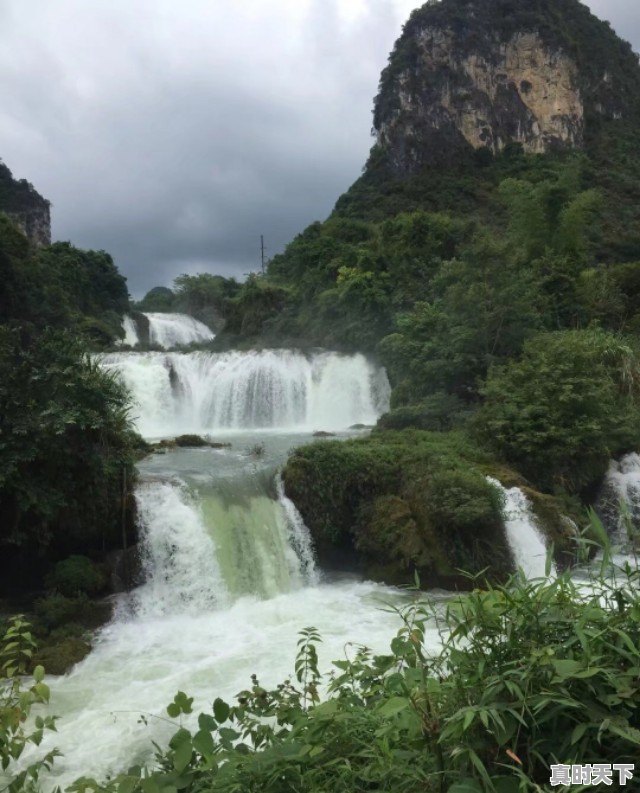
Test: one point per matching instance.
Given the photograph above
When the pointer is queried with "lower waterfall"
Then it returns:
(178, 554)
(523, 535)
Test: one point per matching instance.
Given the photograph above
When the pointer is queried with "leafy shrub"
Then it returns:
(55, 611)
(18, 696)
(77, 575)
(438, 413)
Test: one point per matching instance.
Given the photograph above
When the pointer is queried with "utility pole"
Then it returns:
(262, 252)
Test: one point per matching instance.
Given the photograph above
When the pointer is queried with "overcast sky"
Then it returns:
(172, 133)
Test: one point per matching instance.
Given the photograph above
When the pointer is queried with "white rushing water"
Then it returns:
(137, 667)
(167, 331)
(178, 556)
(202, 392)
(525, 538)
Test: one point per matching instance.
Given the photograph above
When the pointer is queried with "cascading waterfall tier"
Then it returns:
(523, 535)
(202, 392)
(201, 550)
(167, 331)
(176, 330)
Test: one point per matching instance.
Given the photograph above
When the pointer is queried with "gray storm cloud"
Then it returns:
(174, 134)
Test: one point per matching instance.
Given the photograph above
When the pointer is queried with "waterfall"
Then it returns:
(167, 331)
(176, 330)
(200, 550)
(202, 392)
(620, 493)
(178, 554)
(523, 535)
(130, 332)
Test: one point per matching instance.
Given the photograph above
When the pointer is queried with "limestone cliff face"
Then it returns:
(471, 74)
(35, 223)
(30, 212)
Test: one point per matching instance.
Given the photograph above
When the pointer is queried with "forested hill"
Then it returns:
(473, 172)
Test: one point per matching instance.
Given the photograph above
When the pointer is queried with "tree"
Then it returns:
(569, 404)
(65, 442)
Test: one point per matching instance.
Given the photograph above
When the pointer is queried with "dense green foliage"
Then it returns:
(17, 195)
(562, 410)
(62, 287)
(65, 441)
(160, 298)
(65, 444)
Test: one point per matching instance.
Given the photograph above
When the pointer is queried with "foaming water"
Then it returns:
(137, 666)
(206, 392)
(525, 539)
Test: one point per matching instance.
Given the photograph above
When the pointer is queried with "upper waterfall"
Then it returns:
(177, 393)
(176, 330)
(167, 331)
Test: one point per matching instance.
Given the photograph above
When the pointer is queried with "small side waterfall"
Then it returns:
(299, 537)
(525, 539)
